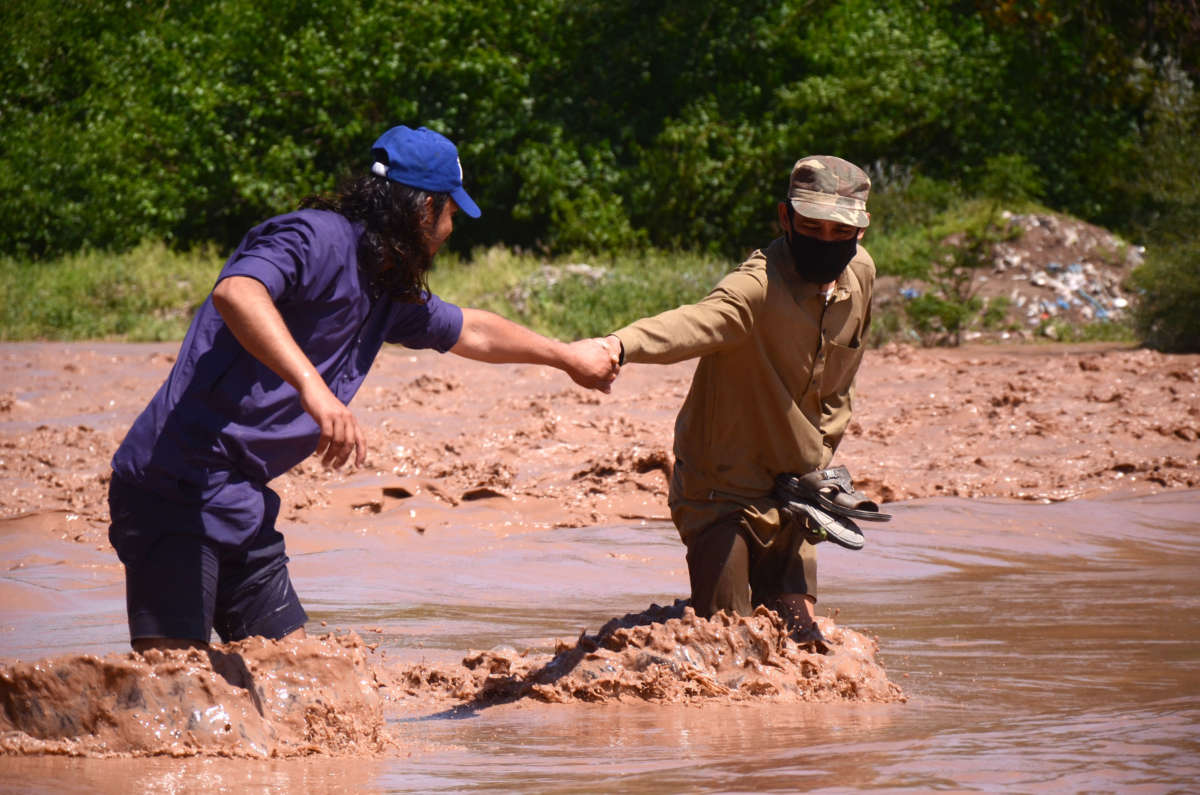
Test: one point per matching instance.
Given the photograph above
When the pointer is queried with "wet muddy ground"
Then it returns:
(1031, 629)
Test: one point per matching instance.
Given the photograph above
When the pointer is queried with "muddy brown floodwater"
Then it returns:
(495, 596)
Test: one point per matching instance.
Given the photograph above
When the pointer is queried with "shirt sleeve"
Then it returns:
(276, 254)
(434, 324)
(724, 318)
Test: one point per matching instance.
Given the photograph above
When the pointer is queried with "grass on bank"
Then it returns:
(580, 295)
(151, 292)
(147, 294)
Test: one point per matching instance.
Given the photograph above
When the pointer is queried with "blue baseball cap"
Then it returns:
(422, 159)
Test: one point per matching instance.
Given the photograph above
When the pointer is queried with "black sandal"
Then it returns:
(831, 490)
(822, 526)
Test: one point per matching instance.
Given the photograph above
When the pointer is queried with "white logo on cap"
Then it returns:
(460, 174)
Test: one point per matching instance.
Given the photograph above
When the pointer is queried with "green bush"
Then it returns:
(1098, 331)
(940, 319)
(1164, 208)
(582, 124)
(586, 125)
(995, 312)
(1167, 310)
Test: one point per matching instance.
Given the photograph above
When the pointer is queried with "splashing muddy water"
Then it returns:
(321, 695)
(255, 698)
(669, 655)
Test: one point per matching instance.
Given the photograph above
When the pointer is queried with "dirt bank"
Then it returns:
(1034, 422)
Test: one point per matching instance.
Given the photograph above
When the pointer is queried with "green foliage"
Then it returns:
(938, 318)
(1099, 331)
(904, 208)
(587, 125)
(1011, 179)
(951, 306)
(147, 293)
(1165, 209)
(995, 312)
(881, 79)
(1167, 312)
(582, 212)
(705, 173)
(582, 124)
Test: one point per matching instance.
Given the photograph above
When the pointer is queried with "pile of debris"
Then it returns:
(1055, 270)
(1061, 267)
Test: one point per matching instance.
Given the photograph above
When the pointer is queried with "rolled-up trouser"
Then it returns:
(731, 569)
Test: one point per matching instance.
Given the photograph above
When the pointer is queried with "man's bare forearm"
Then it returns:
(488, 337)
(248, 311)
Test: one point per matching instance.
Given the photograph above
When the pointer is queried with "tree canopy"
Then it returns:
(581, 124)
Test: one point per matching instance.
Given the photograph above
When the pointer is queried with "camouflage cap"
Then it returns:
(829, 188)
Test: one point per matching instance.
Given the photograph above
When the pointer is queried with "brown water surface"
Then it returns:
(1039, 647)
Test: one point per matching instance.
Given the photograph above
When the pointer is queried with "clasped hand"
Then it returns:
(595, 362)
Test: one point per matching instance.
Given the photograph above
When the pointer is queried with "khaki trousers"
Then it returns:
(731, 569)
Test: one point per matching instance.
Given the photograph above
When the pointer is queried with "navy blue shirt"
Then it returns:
(223, 424)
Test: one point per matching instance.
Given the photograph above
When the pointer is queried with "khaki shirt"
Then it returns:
(772, 391)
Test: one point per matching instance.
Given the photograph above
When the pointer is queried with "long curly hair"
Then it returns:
(393, 251)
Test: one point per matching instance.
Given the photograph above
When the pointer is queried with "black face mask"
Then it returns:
(819, 261)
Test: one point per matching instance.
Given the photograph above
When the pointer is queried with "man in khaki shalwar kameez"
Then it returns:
(780, 340)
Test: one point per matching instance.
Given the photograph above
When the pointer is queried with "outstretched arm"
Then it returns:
(250, 314)
(488, 337)
(722, 319)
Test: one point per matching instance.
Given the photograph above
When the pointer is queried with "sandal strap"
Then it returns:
(832, 489)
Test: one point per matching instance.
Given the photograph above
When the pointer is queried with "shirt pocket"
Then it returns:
(841, 364)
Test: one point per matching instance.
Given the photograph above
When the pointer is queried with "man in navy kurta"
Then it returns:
(279, 348)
